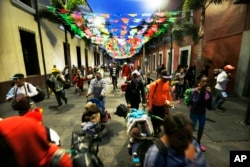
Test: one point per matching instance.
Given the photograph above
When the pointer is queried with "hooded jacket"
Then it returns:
(159, 92)
(29, 143)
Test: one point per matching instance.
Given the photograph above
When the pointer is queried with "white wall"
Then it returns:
(11, 57)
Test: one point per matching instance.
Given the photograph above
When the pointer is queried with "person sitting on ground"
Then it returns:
(23, 143)
(180, 148)
(21, 93)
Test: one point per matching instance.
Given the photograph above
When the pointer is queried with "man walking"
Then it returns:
(160, 99)
(58, 79)
(114, 74)
(221, 82)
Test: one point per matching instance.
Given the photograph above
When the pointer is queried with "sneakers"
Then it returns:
(203, 148)
(178, 101)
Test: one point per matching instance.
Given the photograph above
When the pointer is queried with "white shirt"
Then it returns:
(19, 92)
(222, 80)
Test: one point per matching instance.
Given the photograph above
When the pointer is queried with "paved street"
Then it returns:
(223, 132)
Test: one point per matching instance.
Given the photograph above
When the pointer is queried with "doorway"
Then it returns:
(184, 56)
(78, 54)
(29, 50)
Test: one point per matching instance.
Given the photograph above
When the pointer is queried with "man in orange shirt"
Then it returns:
(160, 99)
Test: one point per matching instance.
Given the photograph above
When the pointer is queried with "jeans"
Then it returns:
(179, 91)
(201, 118)
(59, 95)
(218, 99)
(103, 100)
(114, 82)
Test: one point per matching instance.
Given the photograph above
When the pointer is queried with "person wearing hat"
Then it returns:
(221, 83)
(20, 93)
(135, 92)
(58, 80)
(160, 99)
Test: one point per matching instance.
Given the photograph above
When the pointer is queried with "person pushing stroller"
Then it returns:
(97, 87)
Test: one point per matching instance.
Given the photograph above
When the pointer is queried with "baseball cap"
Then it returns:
(229, 67)
(55, 70)
(17, 76)
(165, 74)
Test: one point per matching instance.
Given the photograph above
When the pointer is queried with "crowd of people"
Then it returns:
(175, 131)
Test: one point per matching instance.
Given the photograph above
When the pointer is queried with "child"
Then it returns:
(148, 79)
(79, 80)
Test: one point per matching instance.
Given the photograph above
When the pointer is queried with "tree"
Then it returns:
(200, 5)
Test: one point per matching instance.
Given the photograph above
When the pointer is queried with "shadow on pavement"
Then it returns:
(62, 109)
(111, 130)
(126, 161)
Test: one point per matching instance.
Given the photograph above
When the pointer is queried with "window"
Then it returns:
(26, 5)
(184, 55)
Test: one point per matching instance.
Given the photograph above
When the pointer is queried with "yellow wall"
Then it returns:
(11, 57)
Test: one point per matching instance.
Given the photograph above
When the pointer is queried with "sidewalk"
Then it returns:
(223, 132)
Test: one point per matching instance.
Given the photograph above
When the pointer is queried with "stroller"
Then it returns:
(94, 117)
(139, 129)
(105, 115)
(85, 143)
(84, 149)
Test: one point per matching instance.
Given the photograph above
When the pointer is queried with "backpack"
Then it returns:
(144, 146)
(188, 97)
(40, 94)
(121, 110)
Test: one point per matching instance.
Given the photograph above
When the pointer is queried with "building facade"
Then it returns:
(23, 49)
(226, 41)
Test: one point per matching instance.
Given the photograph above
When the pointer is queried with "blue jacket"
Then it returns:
(153, 158)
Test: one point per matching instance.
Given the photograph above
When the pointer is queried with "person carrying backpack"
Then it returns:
(21, 94)
(159, 99)
(58, 79)
(176, 147)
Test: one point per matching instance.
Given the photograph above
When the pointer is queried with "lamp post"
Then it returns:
(41, 44)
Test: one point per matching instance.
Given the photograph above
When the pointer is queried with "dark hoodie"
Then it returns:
(29, 144)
